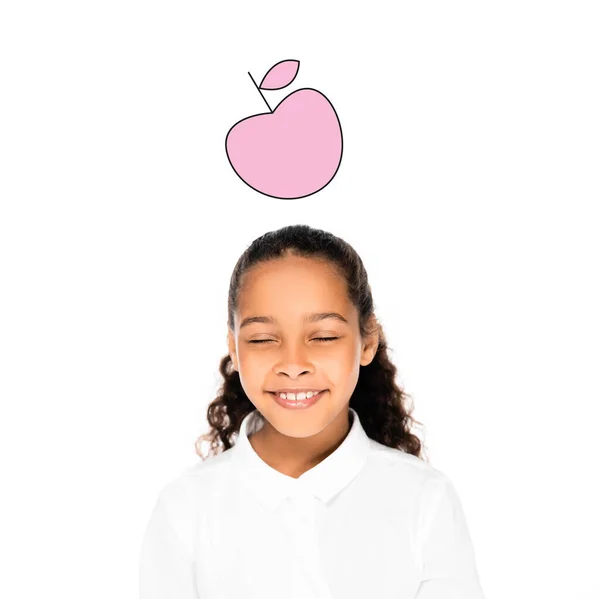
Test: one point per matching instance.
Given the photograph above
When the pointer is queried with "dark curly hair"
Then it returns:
(379, 402)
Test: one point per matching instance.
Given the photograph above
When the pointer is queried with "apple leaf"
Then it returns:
(280, 75)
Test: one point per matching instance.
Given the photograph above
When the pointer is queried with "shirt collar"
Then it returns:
(323, 481)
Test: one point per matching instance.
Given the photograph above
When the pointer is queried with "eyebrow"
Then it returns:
(311, 317)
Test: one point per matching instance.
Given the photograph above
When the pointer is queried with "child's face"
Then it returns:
(287, 290)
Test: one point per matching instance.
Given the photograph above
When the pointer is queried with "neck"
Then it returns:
(293, 456)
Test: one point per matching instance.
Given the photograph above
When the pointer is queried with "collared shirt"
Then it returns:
(367, 522)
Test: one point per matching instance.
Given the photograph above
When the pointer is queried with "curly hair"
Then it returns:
(380, 403)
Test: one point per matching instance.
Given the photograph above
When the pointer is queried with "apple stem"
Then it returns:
(258, 88)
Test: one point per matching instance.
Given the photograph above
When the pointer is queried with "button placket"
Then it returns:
(306, 542)
(295, 525)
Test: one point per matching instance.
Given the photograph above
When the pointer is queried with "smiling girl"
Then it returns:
(315, 485)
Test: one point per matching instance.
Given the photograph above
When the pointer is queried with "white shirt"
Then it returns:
(367, 522)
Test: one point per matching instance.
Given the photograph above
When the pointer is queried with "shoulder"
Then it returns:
(178, 506)
(408, 468)
(195, 481)
(425, 491)
(181, 497)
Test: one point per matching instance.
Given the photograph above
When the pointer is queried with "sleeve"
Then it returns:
(448, 563)
(166, 570)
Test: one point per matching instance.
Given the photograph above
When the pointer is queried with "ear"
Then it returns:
(232, 350)
(370, 344)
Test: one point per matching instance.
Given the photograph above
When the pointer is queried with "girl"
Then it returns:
(315, 487)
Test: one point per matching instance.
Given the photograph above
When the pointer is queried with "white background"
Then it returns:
(469, 185)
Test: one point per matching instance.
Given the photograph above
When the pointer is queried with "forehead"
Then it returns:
(292, 285)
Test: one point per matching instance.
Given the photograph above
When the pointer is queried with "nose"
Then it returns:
(294, 361)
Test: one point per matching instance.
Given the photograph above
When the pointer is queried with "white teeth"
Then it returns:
(296, 397)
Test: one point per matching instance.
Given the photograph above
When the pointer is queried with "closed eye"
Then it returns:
(321, 339)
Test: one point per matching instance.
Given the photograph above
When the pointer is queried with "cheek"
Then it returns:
(252, 372)
(339, 362)
(250, 360)
(256, 365)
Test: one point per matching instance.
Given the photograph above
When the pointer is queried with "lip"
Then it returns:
(297, 390)
(298, 404)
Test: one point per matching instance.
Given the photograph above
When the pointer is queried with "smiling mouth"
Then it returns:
(297, 403)
(297, 396)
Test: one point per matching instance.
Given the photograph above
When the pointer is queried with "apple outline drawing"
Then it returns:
(321, 96)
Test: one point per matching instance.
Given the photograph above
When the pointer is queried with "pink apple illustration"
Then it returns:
(290, 152)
